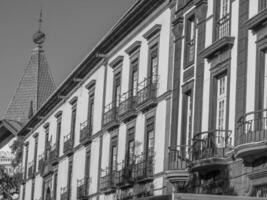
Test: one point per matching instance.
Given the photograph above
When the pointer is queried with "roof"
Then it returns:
(133, 17)
(35, 86)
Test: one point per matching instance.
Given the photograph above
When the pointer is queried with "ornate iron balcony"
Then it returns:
(209, 148)
(143, 167)
(110, 118)
(68, 145)
(64, 193)
(82, 188)
(123, 176)
(127, 107)
(179, 157)
(252, 135)
(85, 133)
(147, 93)
(107, 181)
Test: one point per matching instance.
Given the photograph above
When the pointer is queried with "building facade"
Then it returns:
(171, 100)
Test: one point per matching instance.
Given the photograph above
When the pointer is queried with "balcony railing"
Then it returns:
(53, 154)
(143, 167)
(211, 144)
(147, 92)
(85, 132)
(127, 107)
(223, 27)
(41, 163)
(179, 157)
(68, 144)
(64, 194)
(31, 170)
(123, 175)
(110, 118)
(82, 188)
(107, 181)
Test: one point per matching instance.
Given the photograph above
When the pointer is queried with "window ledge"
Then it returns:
(257, 21)
(219, 45)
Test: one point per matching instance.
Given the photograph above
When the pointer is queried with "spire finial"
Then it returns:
(39, 36)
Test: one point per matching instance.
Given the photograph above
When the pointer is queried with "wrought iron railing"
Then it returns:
(107, 180)
(64, 194)
(179, 157)
(252, 127)
(85, 131)
(223, 27)
(143, 167)
(68, 143)
(110, 113)
(127, 102)
(211, 144)
(147, 89)
(123, 174)
(82, 188)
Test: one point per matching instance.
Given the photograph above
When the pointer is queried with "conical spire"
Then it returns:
(36, 84)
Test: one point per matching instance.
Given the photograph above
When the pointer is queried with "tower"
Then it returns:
(35, 86)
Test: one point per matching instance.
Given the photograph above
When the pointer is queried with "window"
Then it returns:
(262, 4)
(87, 164)
(47, 142)
(187, 118)
(261, 190)
(35, 152)
(190, 41)
(117, 89)
(221, 107)
(153, 68)
(55, 186)
(113, 153)
(59, 122)
(73, 121)
(134, 77)
(91, 109)
(223, 18)
(130, 145)
(150, 134)
(70, 178)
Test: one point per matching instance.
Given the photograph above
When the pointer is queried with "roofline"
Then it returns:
(136, 13)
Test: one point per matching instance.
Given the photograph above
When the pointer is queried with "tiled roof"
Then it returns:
(35, 86)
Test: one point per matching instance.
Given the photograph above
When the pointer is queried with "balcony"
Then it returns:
(53, 155)
(64, 194)
(179, 159)
(223, 27)
(123, 176)
(82, 188)
(127, 107)
(209, 150)
(251, 141)
(47, 169)
(147, 93)
(68, 145)
(110, 119)
(143, 168)
(107, 181)
(31, 170)
(85, 133)
(41, 163)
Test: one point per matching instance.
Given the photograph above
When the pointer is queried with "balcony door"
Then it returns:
(117, 89)
(153, 64)
(134, 77)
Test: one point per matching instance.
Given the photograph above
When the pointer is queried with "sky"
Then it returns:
(72, 28)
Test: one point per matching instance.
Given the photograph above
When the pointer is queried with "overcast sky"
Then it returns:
(72, 27)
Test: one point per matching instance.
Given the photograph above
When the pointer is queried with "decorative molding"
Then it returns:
(133, 47)
(258, 21)
(73, 100)
(114, 63)
(46, 125)
(91, 84)
(35, 135)
(152, 32)
(58, 114)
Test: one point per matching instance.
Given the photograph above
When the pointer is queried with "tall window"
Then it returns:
(223, 18)
(262, 4)
(73, 121)
(186, 135)
(221, 107)
(55, 185)
(130, 145)
(91, 109)
(134, 77)
(59, 123)
(35, 152)
(190, 40)
(70, 178)
(153, 69)
(47, 142)
(150, 136)
(114, 153)
(87, 164)
(117, 89)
